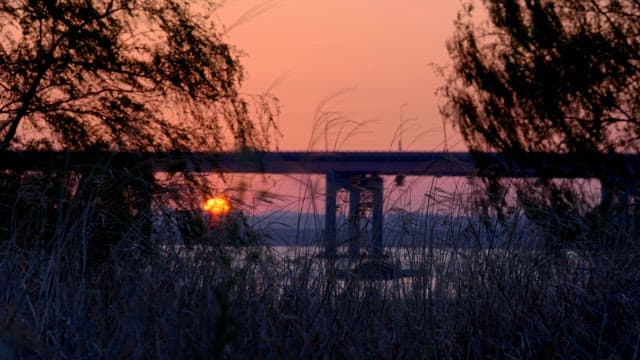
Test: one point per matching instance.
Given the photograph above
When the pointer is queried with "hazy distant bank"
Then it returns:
(402, 229)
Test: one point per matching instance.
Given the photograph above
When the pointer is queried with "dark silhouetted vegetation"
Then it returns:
(121, 76)
(469, 287)
(104, 261)
(126, 75)
(552, 76)
(557, 76)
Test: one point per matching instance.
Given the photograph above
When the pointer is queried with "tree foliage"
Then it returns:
(120, 74)
(545, 75)
(550, 76)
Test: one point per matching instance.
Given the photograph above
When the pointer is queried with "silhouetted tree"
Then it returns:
(130, 74)
(121, 75)
(542, 75)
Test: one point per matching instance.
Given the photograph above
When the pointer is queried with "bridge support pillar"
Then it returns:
(618, 198)
(355, 184)
(354, 222)
(376, 185)
(330, 215)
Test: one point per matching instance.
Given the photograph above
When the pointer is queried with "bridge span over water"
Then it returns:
(357, 172)
(571, 165)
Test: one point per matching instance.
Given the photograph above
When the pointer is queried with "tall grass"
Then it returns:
(468, 288)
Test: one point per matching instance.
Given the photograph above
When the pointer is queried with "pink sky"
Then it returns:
(377, 54)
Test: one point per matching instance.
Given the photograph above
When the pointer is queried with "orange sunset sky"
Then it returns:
(370, 61)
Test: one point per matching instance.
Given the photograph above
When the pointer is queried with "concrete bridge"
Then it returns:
(356, 172)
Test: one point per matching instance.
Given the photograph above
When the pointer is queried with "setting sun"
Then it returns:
(218, 206)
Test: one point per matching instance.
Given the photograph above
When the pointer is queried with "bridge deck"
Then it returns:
(382, 163)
